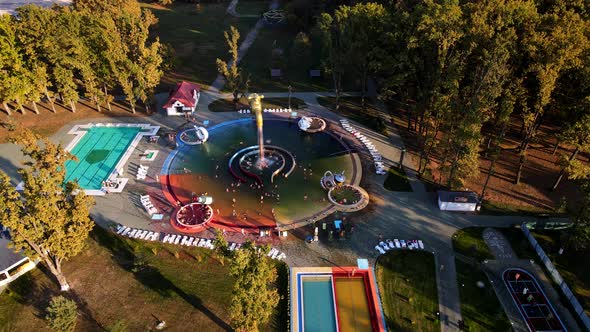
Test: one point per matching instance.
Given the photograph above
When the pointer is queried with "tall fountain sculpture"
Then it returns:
(256, 106)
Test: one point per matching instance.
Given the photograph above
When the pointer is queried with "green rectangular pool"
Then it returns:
(98, 152)
(318, 305)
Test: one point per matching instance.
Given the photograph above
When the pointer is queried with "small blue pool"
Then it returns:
(319, 314)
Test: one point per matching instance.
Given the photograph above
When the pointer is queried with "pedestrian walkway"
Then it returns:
(244, 46)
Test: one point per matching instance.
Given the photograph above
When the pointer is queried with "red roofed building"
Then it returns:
(183, 99)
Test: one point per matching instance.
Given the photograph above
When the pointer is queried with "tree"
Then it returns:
(362, 27)
(61, 314)
(253, 298)
(13, 78)
(331, 32)
(578, 236)
(230, 71)
(554, 47)
(578, 135)
(49, 219)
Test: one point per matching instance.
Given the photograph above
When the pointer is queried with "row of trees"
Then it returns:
(86, 50)
(460, 67)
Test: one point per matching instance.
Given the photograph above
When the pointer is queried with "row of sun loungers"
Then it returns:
(147, 204)
(377, 158)
(137, 233)
(184, 240)
(269, 110)
(386, 245)
(142, 172)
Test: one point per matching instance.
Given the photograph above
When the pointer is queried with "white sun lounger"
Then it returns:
(190, 241)
(271, 252)
(410, 245)
(177, 240)
(196, 241)
(397, 245)
(125, 232)
(202, 243)
(403, 243)
(171, 238)
(155, 236)
(166, 238)
(275, 255)
(379, 249)
(421, 244)
(232, 246)
(144, 236)
(281, 256)
(121, 230)
(390, 244)
(208, 244)
(384, 245)
(133, 232)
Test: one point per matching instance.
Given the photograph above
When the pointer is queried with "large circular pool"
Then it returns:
(205, 170)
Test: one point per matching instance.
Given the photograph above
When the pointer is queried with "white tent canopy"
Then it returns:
(457, 201)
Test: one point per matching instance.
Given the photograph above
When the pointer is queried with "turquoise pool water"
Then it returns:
(318, 305)
(98, 152)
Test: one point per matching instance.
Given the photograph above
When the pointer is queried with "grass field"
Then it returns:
(397, 180)
(504, 209)
(480, 307)
(294, 69)
(351, 108)
(252, 7)
(407, 283)
(469, 242)
(196, 37)
(227, 105)
(122, 279)
(570, 264)
(519, 243)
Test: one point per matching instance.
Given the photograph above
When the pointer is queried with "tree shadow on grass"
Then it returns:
(148, 275)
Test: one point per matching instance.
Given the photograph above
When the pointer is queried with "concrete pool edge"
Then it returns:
(145, 129)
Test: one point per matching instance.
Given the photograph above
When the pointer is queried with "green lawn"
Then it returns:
(519, 243)
(351, 108)
(407, 283)
(132, 280)
(245, 7)
(227, 105)
(503, 209)
(295, 69)
(469, 242)
(571, 264)
(480, 307)
(397, 180)
(196, 37)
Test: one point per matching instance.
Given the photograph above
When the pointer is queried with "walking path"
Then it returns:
(245, 45)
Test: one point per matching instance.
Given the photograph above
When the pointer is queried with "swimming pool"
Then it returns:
(318, 304)
(100, 149)
(353, 307)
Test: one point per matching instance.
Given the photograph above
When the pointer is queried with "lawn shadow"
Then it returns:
(149, 276)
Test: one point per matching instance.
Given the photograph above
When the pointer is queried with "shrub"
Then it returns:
(61, 314)
(119, 326)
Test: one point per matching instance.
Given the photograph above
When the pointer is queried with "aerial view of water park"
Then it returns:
(310, 166)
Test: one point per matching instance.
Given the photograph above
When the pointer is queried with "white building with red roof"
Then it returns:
(183, 99)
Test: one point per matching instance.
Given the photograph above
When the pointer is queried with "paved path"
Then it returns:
(245, 45)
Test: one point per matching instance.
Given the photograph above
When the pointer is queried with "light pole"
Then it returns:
(401, 158)
(290, 90)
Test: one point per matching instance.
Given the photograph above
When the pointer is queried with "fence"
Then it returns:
(557, 278)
